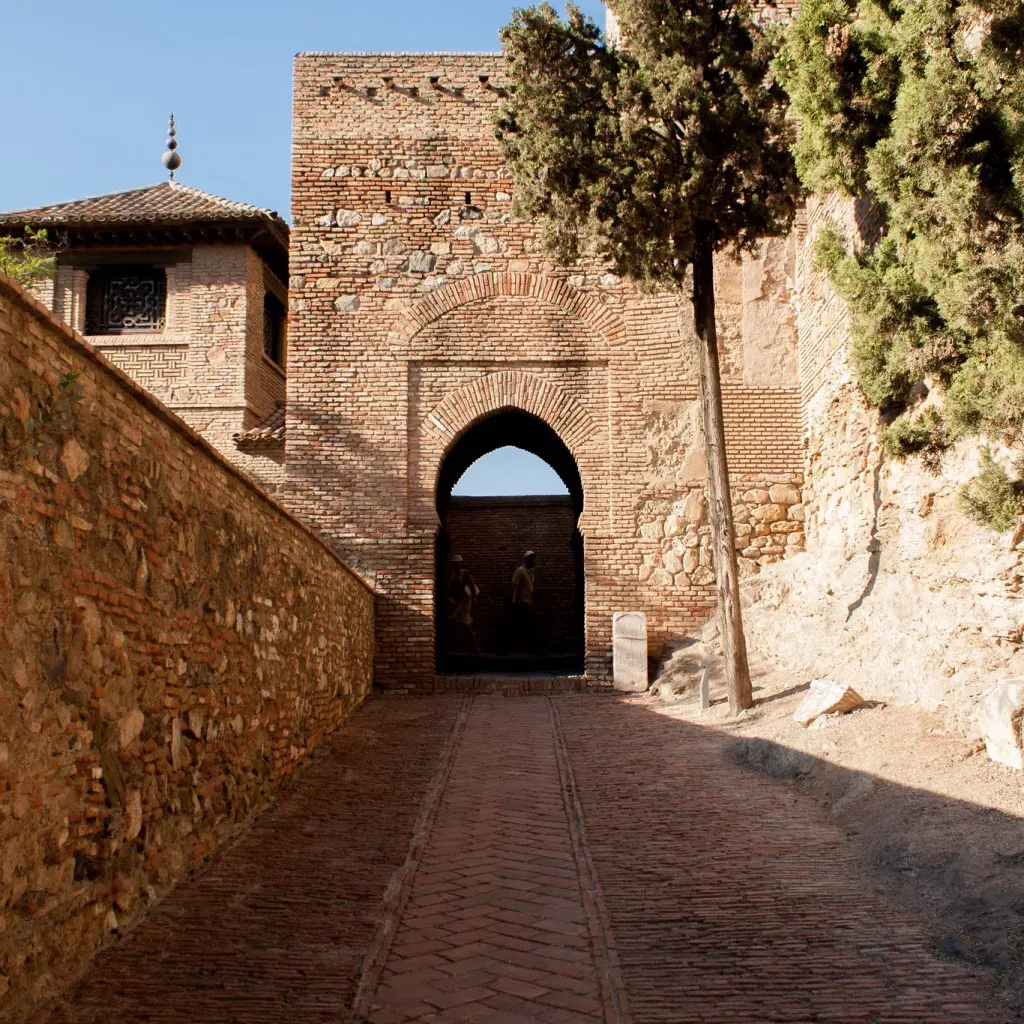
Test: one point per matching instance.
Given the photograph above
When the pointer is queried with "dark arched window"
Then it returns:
(125, 300)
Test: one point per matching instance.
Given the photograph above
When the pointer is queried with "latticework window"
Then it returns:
(122, 300)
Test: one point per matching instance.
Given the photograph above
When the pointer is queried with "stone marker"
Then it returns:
(629, 651)
(826, 697)
(705, 688)
(999, 716)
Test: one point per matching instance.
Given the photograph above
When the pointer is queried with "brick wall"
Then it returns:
(207, 365)
(172, 646)
(420, 306)
(492, 534)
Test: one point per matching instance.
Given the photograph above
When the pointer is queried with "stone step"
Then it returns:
(510, 685)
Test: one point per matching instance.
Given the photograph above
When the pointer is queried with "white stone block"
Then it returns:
(826, 697)
(629, 651)
(1000, 712)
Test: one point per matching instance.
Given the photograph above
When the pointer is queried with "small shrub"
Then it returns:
(925, 436)
(992, 498)
(29, 259)
(53, 418)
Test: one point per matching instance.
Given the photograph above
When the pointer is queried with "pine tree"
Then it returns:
(655, 156)
(920, 103)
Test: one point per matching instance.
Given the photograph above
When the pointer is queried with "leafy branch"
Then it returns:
(54, 417)
(28, 259)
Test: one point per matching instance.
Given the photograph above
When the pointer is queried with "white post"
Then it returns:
(629, 651)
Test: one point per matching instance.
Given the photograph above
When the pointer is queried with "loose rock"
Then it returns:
(827, 698)
(1000, 713)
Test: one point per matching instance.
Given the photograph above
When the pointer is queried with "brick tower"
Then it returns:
(427, 326)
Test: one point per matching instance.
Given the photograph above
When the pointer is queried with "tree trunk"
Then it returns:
(723, 533)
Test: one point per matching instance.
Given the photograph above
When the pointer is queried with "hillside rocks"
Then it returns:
(898, 595)
(680, 669)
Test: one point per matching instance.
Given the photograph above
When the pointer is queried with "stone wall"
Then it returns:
(492, 534)
(898, 595)
(843, 458)
(420, 307)
(172, 646)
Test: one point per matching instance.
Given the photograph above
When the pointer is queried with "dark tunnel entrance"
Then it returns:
(492, 532)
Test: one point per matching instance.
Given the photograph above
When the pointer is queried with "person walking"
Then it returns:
(523, 581)
(462, 592)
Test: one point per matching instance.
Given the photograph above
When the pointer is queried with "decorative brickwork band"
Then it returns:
(554, 291)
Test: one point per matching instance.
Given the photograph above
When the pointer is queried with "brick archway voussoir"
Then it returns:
(510, 389)
(552, 290)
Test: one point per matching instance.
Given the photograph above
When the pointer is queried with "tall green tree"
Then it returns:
(654, 156)
(921, 104)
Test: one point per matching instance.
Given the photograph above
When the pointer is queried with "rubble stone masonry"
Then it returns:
(843, 457)
(420, 307)
(172, 646)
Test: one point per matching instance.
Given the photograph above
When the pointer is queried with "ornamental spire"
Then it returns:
(171, 159)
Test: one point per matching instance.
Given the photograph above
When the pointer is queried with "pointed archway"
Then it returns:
(493, 534)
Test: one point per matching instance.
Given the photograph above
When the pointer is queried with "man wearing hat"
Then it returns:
(522, 600)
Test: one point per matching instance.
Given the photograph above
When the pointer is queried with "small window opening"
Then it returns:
(469, 198)
(387, 196)
(126, 300)
(274, 320)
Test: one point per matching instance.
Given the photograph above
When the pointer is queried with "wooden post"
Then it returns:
(723, 532)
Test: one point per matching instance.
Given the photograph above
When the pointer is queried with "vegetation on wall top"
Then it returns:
(28, 259)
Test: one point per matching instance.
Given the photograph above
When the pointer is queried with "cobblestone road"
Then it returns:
(530, 859)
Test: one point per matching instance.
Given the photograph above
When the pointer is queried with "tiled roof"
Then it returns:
(268, 433)
(170, 202)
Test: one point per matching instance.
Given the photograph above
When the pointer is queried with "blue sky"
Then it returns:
(510, 471)
(90, 84)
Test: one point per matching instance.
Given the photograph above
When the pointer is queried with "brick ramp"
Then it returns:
(734, 899)
(496, 927)
(567, 859)
(276, 929)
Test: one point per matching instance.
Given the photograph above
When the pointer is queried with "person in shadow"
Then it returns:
(462, 592)
(523, 582)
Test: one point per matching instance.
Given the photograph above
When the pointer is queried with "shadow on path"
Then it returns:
(723, 895)
(734, 898)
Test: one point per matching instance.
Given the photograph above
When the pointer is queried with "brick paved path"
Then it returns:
(275, 931)
(530, 859)
(496, 927)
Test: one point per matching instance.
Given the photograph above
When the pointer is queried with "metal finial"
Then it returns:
(171, 159)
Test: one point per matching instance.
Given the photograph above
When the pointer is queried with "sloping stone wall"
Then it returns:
(172, 646)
